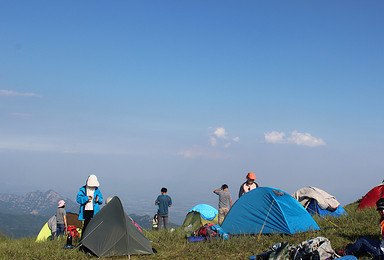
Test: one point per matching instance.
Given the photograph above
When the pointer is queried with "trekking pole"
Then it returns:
(265, 219)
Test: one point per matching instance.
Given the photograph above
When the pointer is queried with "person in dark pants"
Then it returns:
(61, 219)
(163, 202)
(366, 245)
(89, 198)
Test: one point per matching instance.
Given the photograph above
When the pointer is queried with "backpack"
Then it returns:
(318, 248)
(280, 251)
(72, 231)
(206, 231)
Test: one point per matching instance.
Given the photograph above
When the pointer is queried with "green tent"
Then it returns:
(112, 233)
(200, 215)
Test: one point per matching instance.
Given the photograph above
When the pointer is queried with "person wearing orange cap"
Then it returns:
(249, 184)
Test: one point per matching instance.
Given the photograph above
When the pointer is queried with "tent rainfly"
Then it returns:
(267, 210)
(369, 200)
(112, 233)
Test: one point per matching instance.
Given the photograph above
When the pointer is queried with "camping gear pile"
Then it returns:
(207, 232)
(318, 248)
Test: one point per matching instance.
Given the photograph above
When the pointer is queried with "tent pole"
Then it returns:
(265, 220)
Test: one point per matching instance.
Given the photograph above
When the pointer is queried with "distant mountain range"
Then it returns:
(24, 216)
(35, 203)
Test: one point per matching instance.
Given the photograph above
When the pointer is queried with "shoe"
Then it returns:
(341, 252)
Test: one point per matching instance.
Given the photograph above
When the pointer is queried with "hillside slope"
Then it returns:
(18, 226)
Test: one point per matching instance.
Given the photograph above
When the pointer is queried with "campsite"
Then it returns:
(341, 231)
(174, 245)
(192, 129)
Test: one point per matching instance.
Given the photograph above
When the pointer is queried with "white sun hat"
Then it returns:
(92, 181)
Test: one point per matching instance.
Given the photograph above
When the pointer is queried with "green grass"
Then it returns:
(173, 245)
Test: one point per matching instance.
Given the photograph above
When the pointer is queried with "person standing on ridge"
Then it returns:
(225, 202)
(163, 201)
(249, 184)
(89, 198)
(61, 219)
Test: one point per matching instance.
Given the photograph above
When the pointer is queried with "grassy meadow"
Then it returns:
(173, 245)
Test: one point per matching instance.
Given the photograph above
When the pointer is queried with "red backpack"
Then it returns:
(206, 231)
(73, 232)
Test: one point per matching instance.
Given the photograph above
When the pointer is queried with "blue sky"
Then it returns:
(190, 95)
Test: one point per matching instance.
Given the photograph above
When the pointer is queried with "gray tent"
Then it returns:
(112, 233)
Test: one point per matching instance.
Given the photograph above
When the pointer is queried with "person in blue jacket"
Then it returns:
(89, 198)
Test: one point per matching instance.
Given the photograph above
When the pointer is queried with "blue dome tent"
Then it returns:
(268, 210)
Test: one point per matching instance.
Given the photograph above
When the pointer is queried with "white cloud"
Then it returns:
(274, 137)
(296, 137)
(305, 139)
(11, 93)
(213, 141)
(220, 132)
(218, 139)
